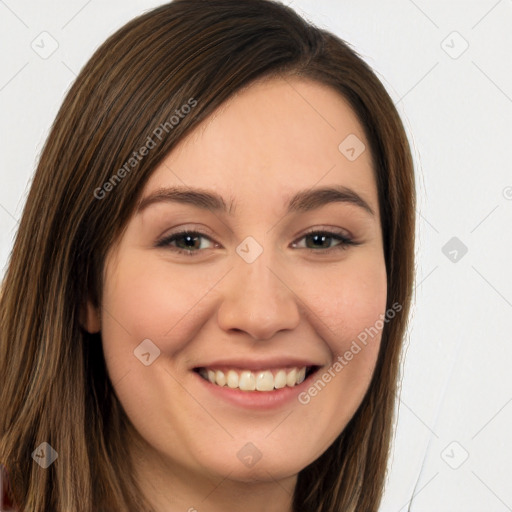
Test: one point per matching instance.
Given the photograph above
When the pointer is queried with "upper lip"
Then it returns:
(259, 364)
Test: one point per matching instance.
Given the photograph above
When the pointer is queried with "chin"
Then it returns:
(265, 469)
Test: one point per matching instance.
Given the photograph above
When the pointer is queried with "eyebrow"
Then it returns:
(302, 201)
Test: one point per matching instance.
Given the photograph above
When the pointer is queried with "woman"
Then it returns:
(256, 369)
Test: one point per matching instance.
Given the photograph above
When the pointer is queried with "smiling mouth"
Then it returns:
(262, 380)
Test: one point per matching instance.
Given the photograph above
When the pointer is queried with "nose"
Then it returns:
(258, 300)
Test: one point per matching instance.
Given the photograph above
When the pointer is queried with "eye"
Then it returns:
(320, 239)
(186, 238)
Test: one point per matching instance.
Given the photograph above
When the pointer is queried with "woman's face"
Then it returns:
(261, 294)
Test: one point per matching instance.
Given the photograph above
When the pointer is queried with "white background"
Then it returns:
(457, 107)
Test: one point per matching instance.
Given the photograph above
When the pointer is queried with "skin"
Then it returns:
(266, 143)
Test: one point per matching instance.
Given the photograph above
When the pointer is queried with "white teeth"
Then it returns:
(280, 379)
(220, 378)
(263, 380)
(232, 379)
(291, 378)
(247, 381)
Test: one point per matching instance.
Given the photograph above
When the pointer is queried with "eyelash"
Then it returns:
(345, 241)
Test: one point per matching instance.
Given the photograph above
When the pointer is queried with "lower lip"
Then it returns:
(261, 400)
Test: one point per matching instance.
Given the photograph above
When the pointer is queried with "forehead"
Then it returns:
(271, 139)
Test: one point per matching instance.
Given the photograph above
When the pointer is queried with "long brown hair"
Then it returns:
(55, 387)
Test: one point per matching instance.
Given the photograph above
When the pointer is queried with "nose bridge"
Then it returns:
(258, 277)
(257, 299)
(255, 258)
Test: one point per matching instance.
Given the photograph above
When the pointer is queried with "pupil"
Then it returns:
(189, 238)
(322, 237)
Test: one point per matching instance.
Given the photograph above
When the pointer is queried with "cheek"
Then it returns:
(147, 301)
(348, 299)
(349, 306)
(134, 309)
